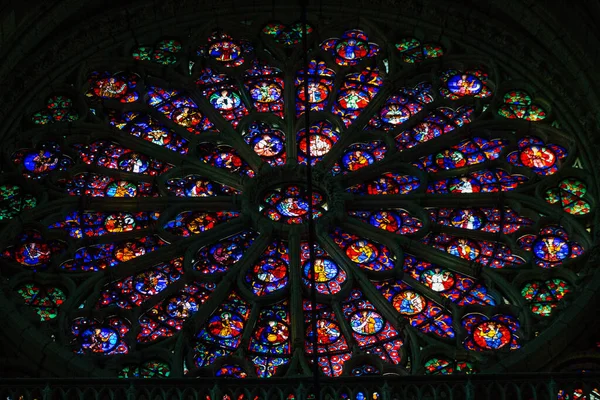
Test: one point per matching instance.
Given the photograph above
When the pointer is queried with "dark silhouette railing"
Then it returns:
(465, 387)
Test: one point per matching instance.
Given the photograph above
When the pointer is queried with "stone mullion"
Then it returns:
(206, 108)
(415, 247)
(334, 252)
(377, 202)
(431, 294)
(175, 249)
(296, 298)
(246, 98)
(462, 200)
(249, 329)
(220, 175)
(97, 131)
(226, 130)
(344, 328)
(423, 149)
(227, 284)
(170, 291)
(376, 170)
(82, 293)
(169, 123)
(290, 117)
(363, 283)
(472, 234)
(519, 307)
(506, 288)
(216, 203)
(172, 157)
(337, 84)
(53, 207)
(413, 349)
(112, 237)
(348, 135)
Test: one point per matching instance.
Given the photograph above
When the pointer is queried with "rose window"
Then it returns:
(221, 208)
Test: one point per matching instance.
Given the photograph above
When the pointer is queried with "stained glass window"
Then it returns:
(225, 50)
(544, 296)
(569, 194)
(267, 141)
(319, 80)
(149, 369)
(492, 333)
(351, 48)
(59, 108)
(457, 84)
(518, 104)
(45, 300)
(441, 366)
(162, 220)
(222, 94)
(287, 35)
(413, 51)
(36, 163)
(164, 52)
(14, 200)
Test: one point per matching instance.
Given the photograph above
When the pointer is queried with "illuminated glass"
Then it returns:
(159, 215)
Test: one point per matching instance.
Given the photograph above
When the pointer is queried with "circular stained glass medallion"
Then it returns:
(551, 248)
(366, 322)
(465, 85)
(492, 335)
(409, 302)
(226, 325)
(290, 204)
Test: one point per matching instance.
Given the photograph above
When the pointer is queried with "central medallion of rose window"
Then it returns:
(290, 204)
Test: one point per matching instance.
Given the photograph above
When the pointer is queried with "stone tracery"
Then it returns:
(487, 179)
